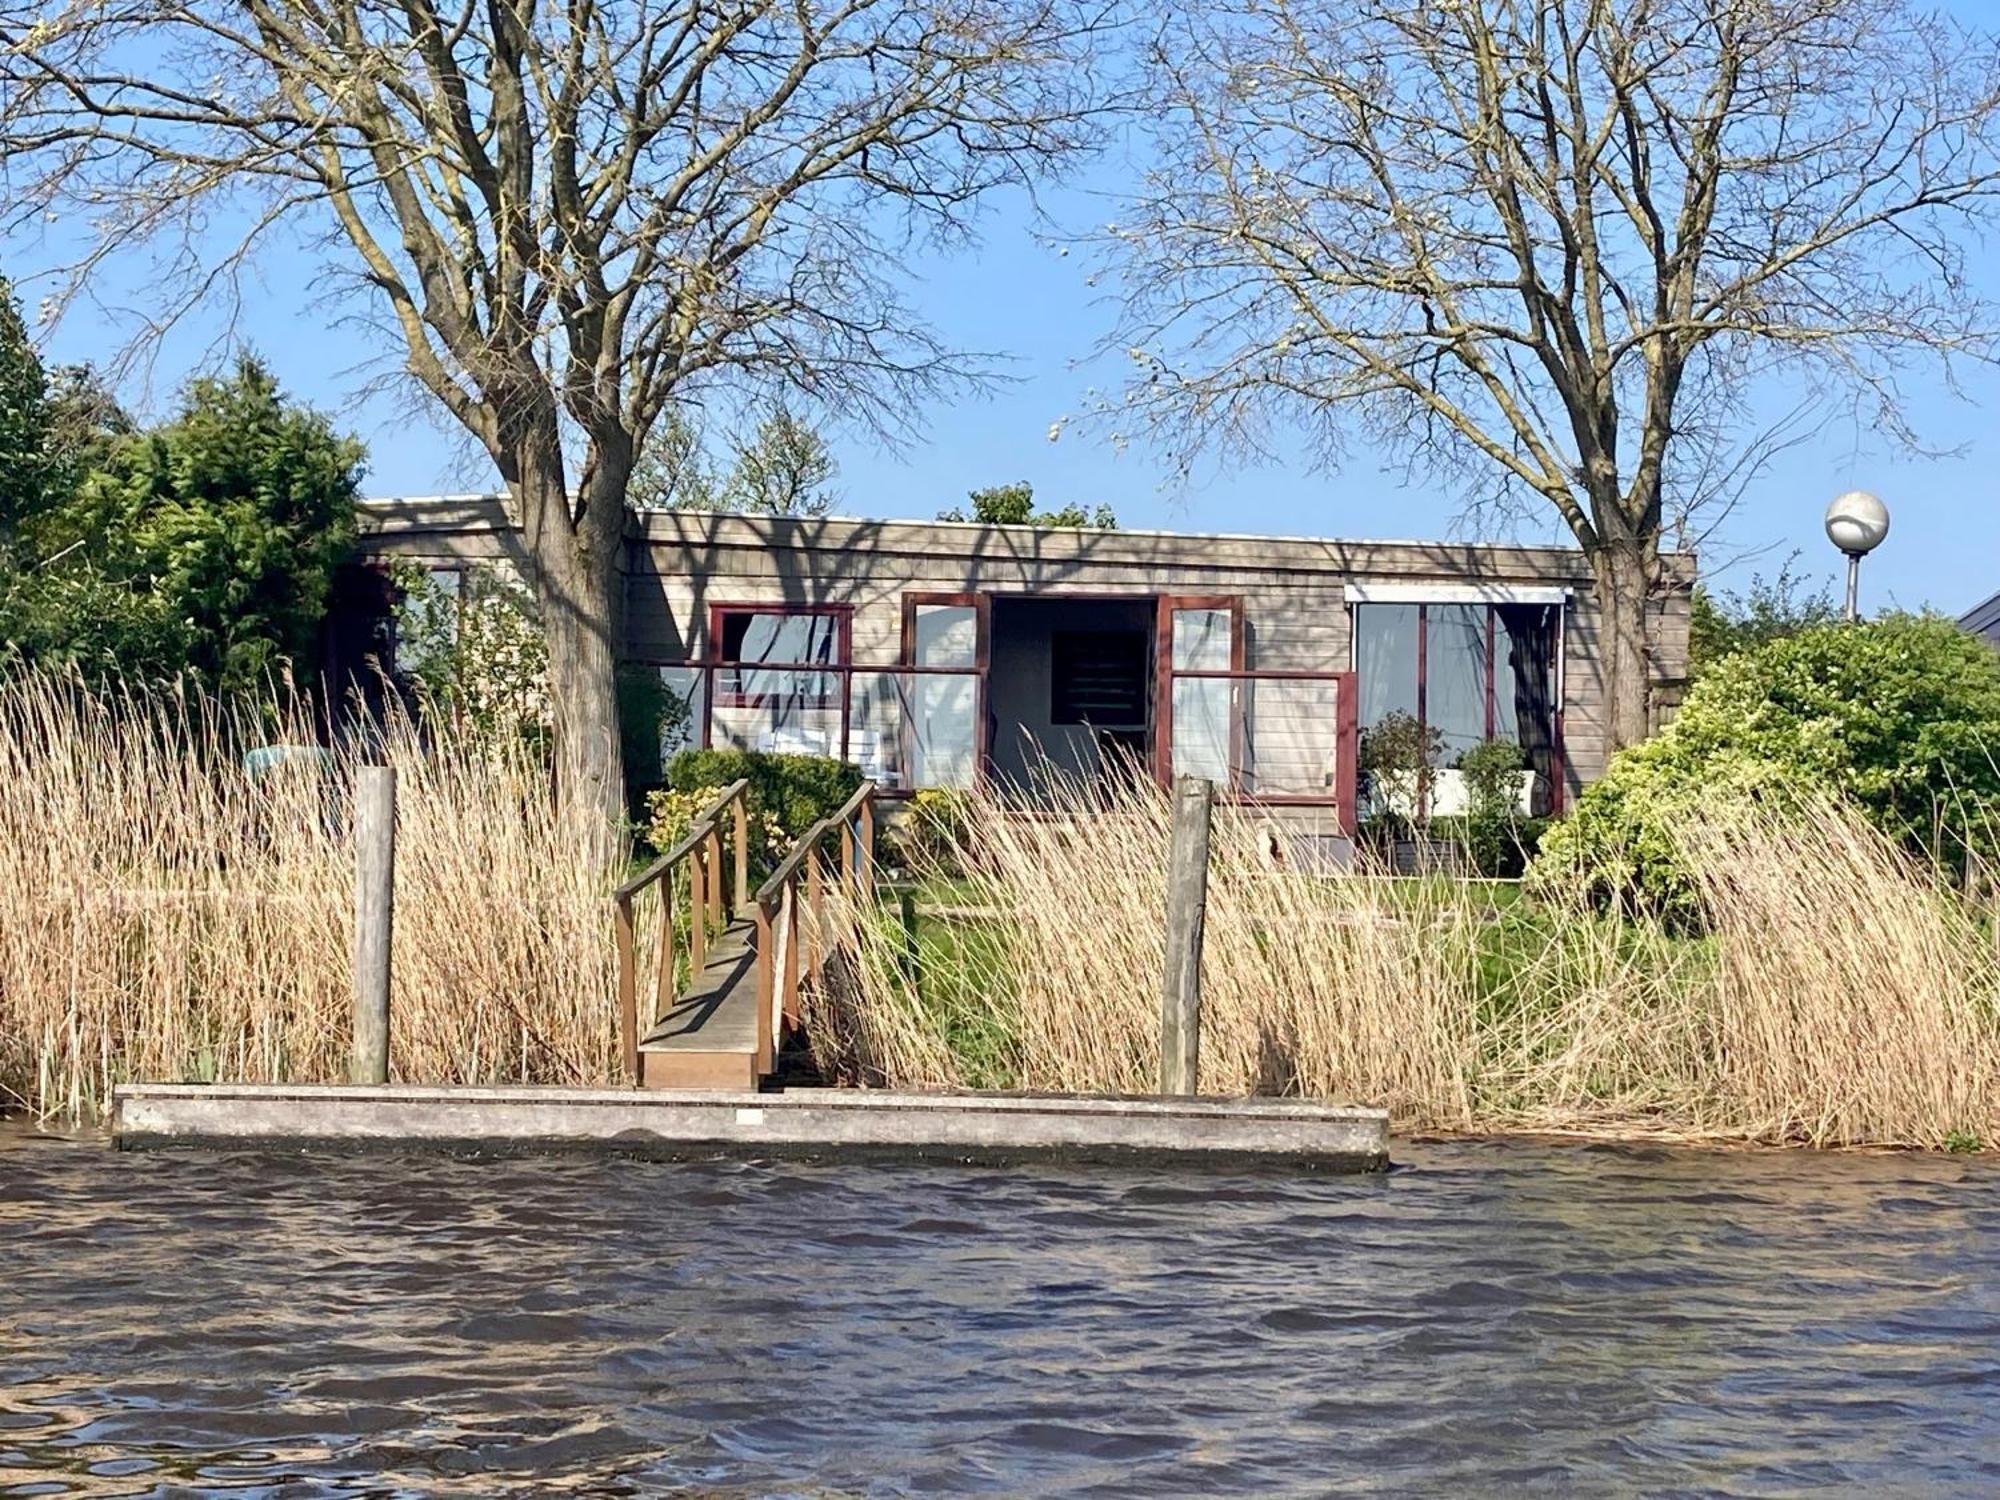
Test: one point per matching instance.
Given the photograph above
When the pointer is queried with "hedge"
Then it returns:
(797, 790)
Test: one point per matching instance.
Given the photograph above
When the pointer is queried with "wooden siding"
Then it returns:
(1295, 608)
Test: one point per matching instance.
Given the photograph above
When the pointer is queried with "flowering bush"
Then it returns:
(670, 813)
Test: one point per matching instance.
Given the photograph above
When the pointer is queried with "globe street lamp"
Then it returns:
(1856, 524)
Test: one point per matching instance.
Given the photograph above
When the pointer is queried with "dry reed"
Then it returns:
(1839, 996)
(166, 916)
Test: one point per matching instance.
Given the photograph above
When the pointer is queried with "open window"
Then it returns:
(1200, 699)
(940, 723)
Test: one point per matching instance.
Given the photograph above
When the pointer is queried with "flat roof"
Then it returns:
(466, 507)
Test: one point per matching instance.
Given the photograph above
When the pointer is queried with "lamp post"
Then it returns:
(1856, 524)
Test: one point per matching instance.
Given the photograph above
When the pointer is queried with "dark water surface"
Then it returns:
(1493, 1319)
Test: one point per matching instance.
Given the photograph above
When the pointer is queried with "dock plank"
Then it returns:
(718, 1013)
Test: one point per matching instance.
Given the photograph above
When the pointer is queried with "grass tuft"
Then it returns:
(168, 918)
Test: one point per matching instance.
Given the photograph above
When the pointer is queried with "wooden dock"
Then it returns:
(812, 1123)
(748, 953)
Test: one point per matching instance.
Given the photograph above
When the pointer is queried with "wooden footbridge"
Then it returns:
(748, 954)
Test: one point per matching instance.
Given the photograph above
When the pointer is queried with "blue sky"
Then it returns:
(1016, 296)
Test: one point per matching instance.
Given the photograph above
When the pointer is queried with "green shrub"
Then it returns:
(796, 790)
(1397, 758)
(1900, 715)
(1491, 771)
(1494, 848)
(670, 814)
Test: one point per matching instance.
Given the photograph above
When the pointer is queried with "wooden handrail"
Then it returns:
(701, 850)
(780, 933)
(787, 867)
(703, 824)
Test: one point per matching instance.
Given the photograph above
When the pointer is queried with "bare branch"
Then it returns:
(1554, 245)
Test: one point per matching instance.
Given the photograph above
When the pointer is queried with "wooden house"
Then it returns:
(937, 654)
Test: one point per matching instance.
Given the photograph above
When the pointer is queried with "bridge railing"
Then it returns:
(792, 936)
(711, 898)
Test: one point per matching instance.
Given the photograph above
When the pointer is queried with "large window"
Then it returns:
(1470, 671)
(768, 654)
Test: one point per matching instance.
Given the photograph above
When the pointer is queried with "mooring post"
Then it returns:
(1187, 905)
(374, 919)
(912, 956)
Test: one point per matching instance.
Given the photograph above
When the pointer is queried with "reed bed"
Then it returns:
(1837, 995)
(167, 916)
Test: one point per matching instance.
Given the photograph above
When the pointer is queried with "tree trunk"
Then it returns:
(578, 587)
(1624, 569)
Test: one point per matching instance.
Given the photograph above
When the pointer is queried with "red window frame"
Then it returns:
(1557, 758)
(843, 618)
(1164, 674)
(981, 604)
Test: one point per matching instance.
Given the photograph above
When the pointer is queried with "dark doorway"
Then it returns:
(1070, 690)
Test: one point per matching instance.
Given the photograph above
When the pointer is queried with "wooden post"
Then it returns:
(697, 910)
(374, 919)
(1187, 906)
(864, 875)
(628, 991)
(815, 915)
(666, 982)
(767, 985)
(742, 810)
(790, 968)
(711, 851)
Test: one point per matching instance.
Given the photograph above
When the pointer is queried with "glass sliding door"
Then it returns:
(946, 644)
(1526, 699)
(1457, 647)
(1386, 653)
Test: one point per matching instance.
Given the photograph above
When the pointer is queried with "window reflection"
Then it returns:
(1471, 672)
(786, 640)
(1201, 722)
(1385, 657)
(1202, 640)
(1455, 685)
(947, 635)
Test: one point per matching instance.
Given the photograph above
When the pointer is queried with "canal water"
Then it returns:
(1490, 1319)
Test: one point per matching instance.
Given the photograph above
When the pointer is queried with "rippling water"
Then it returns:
(1491, 1319)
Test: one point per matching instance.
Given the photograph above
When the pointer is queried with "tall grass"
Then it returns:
(1839, 995)
(164, 916)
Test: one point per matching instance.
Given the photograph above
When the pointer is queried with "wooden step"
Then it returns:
(708, 1040)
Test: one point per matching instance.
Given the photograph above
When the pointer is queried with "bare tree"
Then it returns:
(573, 214)
(1550, 248)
